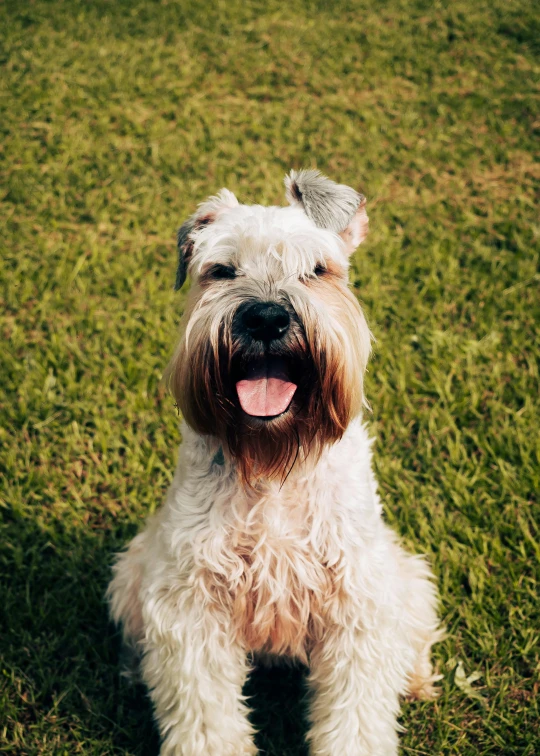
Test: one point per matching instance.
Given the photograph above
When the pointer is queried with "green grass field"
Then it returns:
(117, 118)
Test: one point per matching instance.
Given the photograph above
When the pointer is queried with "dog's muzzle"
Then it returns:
(265, 388)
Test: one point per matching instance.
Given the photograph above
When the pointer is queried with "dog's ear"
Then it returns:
(207, 212)
(329, 205)
(356, 230)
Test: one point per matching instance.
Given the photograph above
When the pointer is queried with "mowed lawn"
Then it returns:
(117, 118)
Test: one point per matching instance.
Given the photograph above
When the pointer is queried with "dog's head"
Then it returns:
(274, 343)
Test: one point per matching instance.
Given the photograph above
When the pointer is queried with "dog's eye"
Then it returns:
(221, 272)
(319, 270)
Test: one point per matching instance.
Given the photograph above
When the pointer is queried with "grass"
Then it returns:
(117, 117)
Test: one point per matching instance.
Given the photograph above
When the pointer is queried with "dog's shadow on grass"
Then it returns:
(65, 654)
(277, 696)
(59, 647)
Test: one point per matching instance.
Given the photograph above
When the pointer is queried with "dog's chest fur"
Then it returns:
(281, 571)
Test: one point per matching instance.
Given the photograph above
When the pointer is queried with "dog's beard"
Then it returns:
(268, 404)
(266, 392)
(268, 445)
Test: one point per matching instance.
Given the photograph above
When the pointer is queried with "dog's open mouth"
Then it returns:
(266, 390)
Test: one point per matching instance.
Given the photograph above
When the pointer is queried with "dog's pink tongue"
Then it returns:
(266, 391)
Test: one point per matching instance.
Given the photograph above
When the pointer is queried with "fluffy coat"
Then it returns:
(295, 561)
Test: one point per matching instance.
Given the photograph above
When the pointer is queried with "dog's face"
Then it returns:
(274, 343)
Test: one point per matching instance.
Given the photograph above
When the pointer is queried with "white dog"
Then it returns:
(271, 539)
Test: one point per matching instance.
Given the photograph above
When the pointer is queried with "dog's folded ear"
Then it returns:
(206, 213)
(184, 245)
(335, 207)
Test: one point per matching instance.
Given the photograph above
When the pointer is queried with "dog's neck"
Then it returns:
(221, 463)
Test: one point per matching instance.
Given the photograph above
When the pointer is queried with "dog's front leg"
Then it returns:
(195, 672)
(355, 679)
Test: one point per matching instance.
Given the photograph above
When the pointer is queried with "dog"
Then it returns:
(271, 541)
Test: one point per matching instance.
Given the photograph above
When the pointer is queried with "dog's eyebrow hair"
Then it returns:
(291, 275)
(214, 268)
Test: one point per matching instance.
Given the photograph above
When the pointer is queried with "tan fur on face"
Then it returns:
(340, 356)
(332, 332)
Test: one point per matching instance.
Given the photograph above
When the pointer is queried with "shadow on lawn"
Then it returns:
(67, 655)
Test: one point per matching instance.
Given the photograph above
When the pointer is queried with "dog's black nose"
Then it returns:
(266, 321)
